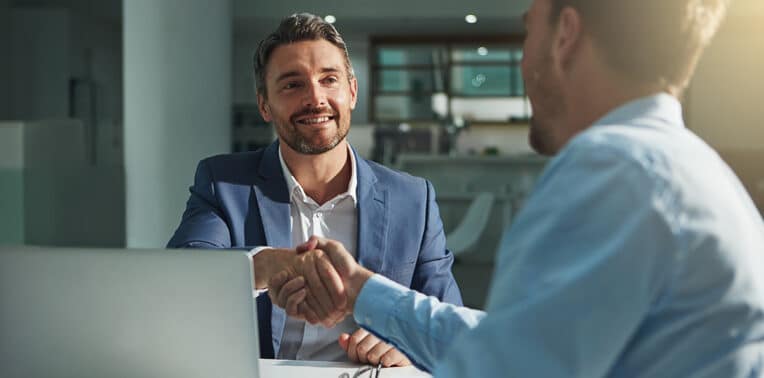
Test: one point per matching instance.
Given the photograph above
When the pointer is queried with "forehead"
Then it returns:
(305, 56)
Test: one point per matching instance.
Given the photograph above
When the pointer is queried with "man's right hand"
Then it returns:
(321, 305)
(293, 293)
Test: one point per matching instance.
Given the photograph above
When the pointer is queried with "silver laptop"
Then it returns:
(126, 313)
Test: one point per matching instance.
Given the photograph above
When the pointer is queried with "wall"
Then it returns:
(11, 183)
(724, 102)
(49, 46)
(177, 106)
(5, 69)
(40, 51)
(96, 55)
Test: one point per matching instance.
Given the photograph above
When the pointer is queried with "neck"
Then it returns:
(322, 176)
(597, 92)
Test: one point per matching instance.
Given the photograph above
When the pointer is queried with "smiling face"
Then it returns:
(310, 95)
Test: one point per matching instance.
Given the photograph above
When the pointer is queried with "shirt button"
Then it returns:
(367, 320)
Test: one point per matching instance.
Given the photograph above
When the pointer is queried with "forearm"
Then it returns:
(420, 326)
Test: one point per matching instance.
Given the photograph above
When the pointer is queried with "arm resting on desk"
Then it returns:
(420, 326)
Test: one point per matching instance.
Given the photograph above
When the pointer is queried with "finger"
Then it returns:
(332, 281)
(366, 345)
(394, 357)
(337, 253)
(307, 246)
(344, 341)
(355, 339)
(308, 313)
(275, 283)
(318, 289)
(340, 316)
(377, 351)
(312, 302)
(287, 290)
(293, 301)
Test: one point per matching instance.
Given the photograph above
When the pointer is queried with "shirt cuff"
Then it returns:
(377, 302)
(251, 254)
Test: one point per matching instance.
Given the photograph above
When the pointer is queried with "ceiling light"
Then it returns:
(330, 19)
(482, 51)
(470, 18)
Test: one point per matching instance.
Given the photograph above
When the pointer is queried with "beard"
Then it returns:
(547, 106)
(305, 144)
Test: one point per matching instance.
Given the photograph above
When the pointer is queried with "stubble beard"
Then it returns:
(548, 110)
(291, 135)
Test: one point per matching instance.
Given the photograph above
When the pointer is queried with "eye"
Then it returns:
(291, 85)
(331, 80)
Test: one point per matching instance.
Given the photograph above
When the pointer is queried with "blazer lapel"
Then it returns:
(372, 218)
(273, 200)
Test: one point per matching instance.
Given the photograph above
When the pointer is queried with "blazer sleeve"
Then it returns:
(432, 275)
(203, 223)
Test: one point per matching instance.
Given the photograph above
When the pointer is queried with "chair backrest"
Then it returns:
(469, 230)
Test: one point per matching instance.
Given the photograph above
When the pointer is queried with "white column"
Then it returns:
(177, 64)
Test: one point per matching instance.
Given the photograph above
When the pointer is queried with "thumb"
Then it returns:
(308, 245)
(344, 340)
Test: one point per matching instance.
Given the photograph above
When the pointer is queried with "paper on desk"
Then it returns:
(325, 369)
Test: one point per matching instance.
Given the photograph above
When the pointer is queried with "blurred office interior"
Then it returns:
(106, 106)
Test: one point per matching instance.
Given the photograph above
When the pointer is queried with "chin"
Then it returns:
(541, 141)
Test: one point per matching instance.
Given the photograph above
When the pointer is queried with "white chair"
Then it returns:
(469, 230)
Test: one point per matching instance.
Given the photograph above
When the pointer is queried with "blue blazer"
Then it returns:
(241, 201)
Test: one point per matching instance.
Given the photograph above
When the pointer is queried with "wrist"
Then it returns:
(355, 284)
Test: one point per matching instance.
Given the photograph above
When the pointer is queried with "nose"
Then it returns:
(315, 96)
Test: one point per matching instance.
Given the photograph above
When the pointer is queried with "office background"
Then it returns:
(106, 106)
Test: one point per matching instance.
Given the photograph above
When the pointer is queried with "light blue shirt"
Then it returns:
(639, 253)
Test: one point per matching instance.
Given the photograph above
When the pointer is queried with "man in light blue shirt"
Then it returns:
(639, 253)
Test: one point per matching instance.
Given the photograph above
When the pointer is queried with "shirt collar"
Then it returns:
(661, 105)
(295, 188)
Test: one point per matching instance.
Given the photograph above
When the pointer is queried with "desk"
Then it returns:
(322, 369)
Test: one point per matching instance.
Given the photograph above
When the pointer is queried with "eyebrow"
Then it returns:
(291, 74)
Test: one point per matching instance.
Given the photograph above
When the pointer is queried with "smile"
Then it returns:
(315, 120)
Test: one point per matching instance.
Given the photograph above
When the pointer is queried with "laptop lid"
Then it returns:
(126, 313)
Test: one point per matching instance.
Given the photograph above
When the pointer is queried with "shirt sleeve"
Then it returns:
(575, 275)
(251, 254)
(419, 325)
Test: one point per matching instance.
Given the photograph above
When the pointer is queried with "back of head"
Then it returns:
(650, 41)
(296, 28)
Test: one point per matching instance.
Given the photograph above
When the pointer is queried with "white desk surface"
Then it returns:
(322, 369)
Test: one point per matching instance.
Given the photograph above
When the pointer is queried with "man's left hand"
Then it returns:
(365, 348)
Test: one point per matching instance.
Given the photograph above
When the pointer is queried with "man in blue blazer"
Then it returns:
(311, 182)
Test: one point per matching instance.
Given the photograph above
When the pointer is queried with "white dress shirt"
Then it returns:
(336, 219)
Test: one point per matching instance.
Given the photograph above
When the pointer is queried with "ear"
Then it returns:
(568, 37)
(353, 92)
(265, 109)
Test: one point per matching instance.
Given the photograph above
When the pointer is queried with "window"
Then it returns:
(434, 80)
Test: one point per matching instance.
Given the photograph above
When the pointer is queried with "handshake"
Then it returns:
(318, 282)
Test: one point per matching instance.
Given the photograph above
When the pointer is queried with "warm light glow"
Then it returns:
(330, 19)
(470, 18)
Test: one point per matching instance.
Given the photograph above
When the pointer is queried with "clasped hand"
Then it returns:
(317, 287)
(321, 287)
